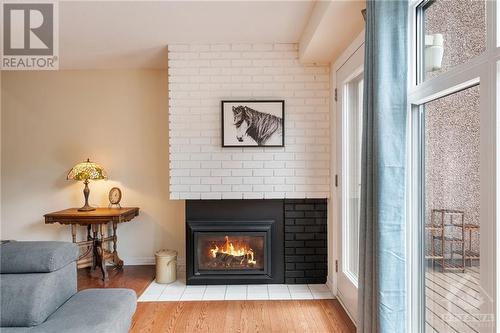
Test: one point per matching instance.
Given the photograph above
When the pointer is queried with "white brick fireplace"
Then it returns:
(200, 76)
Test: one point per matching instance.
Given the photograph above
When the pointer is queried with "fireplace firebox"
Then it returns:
(231, 251)
(226, 245)
(231, 247)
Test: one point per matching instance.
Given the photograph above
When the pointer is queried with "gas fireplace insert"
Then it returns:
(232, 250)
(222, 252)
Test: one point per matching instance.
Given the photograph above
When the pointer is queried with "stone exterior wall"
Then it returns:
(463, 26)
(452, 122)
(452, 157)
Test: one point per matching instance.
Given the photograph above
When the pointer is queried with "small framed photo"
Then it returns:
(253, 123)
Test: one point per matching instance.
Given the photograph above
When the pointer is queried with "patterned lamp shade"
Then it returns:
(87, 170)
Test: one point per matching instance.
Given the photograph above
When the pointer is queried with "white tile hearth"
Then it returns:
(179, 291)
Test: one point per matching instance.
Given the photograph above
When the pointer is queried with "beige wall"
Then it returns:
(118, 118)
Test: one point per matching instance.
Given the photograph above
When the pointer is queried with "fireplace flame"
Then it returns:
(229, 249)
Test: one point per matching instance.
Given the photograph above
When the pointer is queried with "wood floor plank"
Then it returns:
(467, 276)
(134, 277)
(464, 278)
(457, 305)
(452, 292)
(429, 328)
(456, 296)
(266, 318)
(280, 318)
(448, 317)
(452, 310)
(218, 311)
(466, 286)
(310, 312)
(339, 320)
(300, 318)
(458, 276)
(256, 323)
(185, 322)
(147, 314)
(233, 321)
(473, 272)
(474, 269)
(437, 323)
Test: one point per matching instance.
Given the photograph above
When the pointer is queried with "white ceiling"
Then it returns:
(134, 34)
(332, 27)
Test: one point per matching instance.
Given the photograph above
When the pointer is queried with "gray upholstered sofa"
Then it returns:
(38, 293)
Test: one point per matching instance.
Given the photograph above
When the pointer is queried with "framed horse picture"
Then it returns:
(253, 123)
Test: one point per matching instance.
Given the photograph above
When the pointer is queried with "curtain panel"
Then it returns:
(382, 267)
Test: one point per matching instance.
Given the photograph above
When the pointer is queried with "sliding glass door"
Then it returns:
(451, 215)
(453, 167)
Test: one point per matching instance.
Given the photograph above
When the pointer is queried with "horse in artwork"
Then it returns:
(260, 126)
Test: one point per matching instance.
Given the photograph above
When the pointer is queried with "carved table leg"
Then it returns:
(73, 233)
(90, 247)
(99, 253)
(94, 247)
(116, 259)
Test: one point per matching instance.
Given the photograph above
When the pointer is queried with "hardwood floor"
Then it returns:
(134, 277)
(220, 316)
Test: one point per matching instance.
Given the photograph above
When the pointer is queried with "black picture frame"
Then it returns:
(227, 113)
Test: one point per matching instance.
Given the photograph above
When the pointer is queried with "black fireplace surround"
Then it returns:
(256, 241)
(252, 227)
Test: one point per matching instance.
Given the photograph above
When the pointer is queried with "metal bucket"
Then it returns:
(166, 266)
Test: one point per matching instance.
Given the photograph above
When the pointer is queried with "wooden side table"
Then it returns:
(94, 254)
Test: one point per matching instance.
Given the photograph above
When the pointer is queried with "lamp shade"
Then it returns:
(87, 170)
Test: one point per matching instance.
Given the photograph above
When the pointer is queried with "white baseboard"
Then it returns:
(346, 309)
(135, 261)
(331, 286)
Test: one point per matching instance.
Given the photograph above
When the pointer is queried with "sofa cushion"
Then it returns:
(28, 299)
(93, 310)
(36, 257)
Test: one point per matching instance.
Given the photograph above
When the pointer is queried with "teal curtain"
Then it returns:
(382, 268)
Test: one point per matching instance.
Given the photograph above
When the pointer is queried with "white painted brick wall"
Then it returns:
(200, 76)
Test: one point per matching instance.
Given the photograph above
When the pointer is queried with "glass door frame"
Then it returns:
(483, 70)
(345, 220)
(349, 67)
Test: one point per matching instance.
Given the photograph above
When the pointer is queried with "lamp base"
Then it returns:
(86, 208)
(86, 192)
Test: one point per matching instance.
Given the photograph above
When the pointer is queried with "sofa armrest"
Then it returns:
(36, 257)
